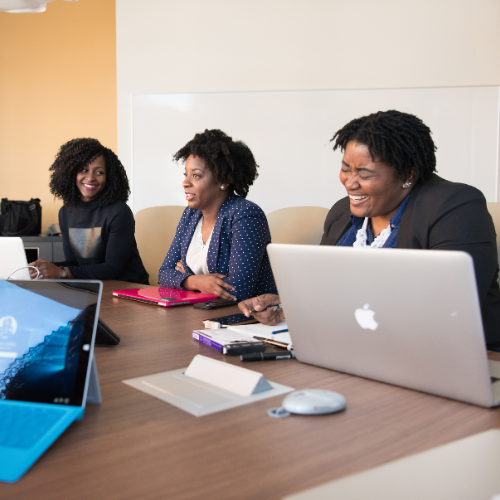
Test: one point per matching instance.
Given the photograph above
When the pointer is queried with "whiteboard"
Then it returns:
(289, 134)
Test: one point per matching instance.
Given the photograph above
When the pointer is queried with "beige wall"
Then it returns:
(57, 82)
(58, 69)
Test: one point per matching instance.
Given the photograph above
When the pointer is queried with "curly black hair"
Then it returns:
(73, 157)
(231, 162)
(398, 139)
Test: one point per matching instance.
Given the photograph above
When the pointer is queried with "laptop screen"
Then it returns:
(46, 330)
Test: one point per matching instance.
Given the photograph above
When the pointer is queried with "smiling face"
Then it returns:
(201, 189)
(92, 179)
(373, 188)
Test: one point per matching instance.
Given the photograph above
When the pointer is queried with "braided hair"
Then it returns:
(399, 139)
(73, 157)
(231, 162)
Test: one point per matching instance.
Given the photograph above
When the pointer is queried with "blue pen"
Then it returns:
(280, 331)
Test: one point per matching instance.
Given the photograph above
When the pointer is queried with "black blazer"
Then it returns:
(443, 215)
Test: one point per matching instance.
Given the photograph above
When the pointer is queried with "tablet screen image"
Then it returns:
(45, 342)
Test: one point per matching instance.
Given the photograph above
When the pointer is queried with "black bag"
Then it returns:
(20, 218)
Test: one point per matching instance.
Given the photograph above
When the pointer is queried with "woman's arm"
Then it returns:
(263, 308)
(465, 224)
(172, 273)
(47, 270)
(168, 275)
(250, 236)
(210, 283)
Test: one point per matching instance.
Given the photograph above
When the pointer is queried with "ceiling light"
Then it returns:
(25, 6)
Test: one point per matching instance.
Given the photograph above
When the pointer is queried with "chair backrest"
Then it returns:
(299, 225)
(494, 210)
(154, 231)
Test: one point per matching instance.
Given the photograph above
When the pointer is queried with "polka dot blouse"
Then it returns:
(237, 249)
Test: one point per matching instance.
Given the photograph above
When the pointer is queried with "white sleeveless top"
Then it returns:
(196, 257)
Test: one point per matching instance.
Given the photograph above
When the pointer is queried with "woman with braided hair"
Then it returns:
(221, 239)
(96, 224)
(396, 200)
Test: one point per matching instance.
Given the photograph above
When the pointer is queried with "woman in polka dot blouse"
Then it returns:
(220, 242)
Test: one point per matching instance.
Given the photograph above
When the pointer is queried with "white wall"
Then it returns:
(289, 134)
(234, 45)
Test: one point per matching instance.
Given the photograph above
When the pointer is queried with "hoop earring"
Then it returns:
(406, 185)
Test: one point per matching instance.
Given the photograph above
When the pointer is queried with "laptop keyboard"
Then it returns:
(22, 426)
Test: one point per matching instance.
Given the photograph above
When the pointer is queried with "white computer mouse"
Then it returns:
(314, 402)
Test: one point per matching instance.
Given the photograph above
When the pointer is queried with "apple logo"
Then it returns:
(365, 318)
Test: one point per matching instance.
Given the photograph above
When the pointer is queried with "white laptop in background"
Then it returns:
(12, 258)
(405, 317)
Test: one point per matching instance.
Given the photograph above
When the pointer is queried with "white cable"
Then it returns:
(26, 267)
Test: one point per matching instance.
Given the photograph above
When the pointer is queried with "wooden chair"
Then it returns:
(154, 231)
(299, 225)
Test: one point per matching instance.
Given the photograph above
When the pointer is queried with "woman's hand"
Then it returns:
(47, 270)
(261, 303)
(210, 283)
(179, 267)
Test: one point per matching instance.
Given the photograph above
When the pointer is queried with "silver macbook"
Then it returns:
(13, 259)
(405, 317)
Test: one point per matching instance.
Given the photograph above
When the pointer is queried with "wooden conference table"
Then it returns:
(136, 446)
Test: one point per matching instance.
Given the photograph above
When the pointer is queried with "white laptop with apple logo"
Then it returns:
(406, 317)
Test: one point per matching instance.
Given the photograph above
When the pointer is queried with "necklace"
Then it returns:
(378, 242)
(199, 239)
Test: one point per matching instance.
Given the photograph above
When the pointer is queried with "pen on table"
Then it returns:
(283, 345)
(277, 306)
(262, 356)
(280, 331)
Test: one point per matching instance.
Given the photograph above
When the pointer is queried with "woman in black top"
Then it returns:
(97, 225)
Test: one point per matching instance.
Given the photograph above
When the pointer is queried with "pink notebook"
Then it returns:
(162, 296)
